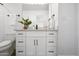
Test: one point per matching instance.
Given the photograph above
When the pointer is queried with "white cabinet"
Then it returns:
(39, 42)
(20, 43)
(51, 51)
(51, 43)
(30, 46)
(41, 46)
(36, 43)
(20, 51)
(35, 47)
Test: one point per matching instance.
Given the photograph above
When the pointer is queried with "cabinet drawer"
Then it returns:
(51, 43)
(51, 51)
(51, 37)
(20, 33)
(51, 34)
(20, 37)
(20, 51)
(20, 42)
(51, 40)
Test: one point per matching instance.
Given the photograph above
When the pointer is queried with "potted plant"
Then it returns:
(25, 22)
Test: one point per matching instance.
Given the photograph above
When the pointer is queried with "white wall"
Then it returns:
(67, 33)
(78, 27)
(6, 23)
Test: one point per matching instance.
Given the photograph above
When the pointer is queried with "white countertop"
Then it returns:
(36, 30)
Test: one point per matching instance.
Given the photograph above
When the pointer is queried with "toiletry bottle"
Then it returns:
(36, 26)
(53, 21)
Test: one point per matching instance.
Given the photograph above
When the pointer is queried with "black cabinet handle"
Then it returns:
(34, 42)
(51, 51)
(20, 51)
(37, 42)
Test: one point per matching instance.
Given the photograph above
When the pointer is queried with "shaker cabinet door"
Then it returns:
(30, 48)
(41, 47)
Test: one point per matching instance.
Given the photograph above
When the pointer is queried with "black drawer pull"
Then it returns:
(20, 51)
(51, 51)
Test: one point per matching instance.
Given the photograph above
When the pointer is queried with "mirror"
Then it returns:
(37, 13)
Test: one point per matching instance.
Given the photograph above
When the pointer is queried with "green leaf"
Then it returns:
(25, 21)
(21, 22)
(29, 22)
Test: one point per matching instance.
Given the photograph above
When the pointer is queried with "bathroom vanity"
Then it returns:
(41, 41)
(36, 43)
